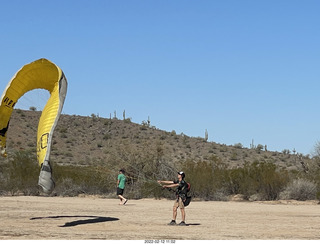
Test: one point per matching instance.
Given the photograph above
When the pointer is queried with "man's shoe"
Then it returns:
(173, 222)
(182, 223)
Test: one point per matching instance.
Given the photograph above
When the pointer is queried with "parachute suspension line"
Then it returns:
(34, 99)
(131, 173)
(134, 169)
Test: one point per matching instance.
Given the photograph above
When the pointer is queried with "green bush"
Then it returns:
(206, 177)
(213, 180)
(71, 180)
(20, 174)
(200, 176)
(258, 178)
(210, 179)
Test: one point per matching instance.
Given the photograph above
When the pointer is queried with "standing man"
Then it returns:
(120, 186)
(181, 194)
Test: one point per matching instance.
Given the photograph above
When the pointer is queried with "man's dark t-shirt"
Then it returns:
(181, 189)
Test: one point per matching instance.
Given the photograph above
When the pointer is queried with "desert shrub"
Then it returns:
(259, 179)
(143, 169)
(238, 145)
(234, 156)
(3, 176)
(236, 181)
(106, 137)
(300, 189)
(263, 178)
(259, 148)
(74, 180)
(207, 178)
(256, 197)
(151, 189)
(67, 188)
(20, 174)
(220, 195)
(200, 176)
(212, 180)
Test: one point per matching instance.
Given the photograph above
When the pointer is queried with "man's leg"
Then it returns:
(174, 213)
(183, 214)
(122, 199)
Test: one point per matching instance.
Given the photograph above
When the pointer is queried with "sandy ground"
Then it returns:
(77, 218)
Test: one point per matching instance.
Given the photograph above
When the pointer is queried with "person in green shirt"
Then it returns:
(120, 187)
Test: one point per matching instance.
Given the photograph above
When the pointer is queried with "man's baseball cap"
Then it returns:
(182, 174)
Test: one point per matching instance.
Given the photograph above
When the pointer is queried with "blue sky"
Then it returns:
(242, 70)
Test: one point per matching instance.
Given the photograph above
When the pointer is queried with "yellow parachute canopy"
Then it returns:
(40, 74)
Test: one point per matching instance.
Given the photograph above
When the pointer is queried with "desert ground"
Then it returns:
(87, 218)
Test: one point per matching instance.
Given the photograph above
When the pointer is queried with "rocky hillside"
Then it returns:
(80, 140)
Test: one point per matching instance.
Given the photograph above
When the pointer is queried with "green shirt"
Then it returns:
(122, 181)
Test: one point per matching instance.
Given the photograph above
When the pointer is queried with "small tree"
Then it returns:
(238, 145)
(259, 148)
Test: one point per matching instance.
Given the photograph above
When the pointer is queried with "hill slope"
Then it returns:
(80, 140)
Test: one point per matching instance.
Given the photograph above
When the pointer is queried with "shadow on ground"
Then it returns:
(194, 224)
(88, 220)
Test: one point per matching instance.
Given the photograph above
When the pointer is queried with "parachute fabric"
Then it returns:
(40, 74)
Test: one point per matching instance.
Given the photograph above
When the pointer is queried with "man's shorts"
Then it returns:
(119, 191)
(178, 203)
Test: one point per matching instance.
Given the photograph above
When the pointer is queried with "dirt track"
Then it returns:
(96, 218)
